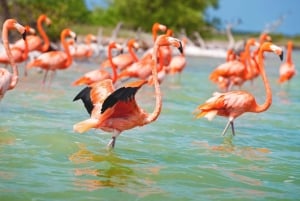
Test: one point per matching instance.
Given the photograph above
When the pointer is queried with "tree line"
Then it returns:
(176, 14)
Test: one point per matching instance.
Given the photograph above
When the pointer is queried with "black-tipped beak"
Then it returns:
(75, 39)
(24, 35)
(281, 56)
(180, 48)
(121, 51)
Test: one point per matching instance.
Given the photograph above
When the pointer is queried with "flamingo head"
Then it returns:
(270, 47)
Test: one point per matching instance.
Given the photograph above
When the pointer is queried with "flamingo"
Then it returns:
(287, 69)
(84, 51)
(116, 110)
(37, 43)
(55, 60)
(100, 74)
(19, 54)
(8, 80)
(224, 73)
(123, 61)
(235, 103)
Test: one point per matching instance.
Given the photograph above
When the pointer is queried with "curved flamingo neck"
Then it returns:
(158, 104)
(132, 53)
(15, 71)
(65, 44)
(113, 65)
(43, 34)
(268, 101)
(154, 33)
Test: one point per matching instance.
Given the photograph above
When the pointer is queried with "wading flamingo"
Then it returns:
(9, 80)
(235, 103)
(100, 74)
(116, 110)
(55, 60)
(287, 69)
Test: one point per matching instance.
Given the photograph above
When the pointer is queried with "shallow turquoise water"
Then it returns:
(175, 158)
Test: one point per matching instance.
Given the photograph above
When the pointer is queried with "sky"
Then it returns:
(255, 15)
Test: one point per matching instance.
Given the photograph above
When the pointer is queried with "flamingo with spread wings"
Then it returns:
(116, 110)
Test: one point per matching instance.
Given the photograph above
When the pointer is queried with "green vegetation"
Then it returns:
(176, 14)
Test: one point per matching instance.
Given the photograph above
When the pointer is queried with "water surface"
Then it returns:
(177, 157)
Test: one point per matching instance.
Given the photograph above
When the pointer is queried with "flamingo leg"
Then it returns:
(51, 78)
(111, 143)
(232, 128)
(226, 128)
(45, 76)
(230, 122)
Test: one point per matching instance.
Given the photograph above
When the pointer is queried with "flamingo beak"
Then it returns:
(180, 48)
(24, 35)
(281, 56)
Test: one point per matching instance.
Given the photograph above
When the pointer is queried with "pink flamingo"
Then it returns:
(100, 74)
(19, 55)
(36, 42)
(116, 110)
(55, 60)
(235, 103)
(84, 51)
(8, 80)
(122, 61)
(287, 69)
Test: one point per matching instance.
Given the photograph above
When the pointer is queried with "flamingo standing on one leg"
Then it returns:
(235, 103)
(55, 60)
(116, 110)
(287, 69)
(9, 80)
(100, 74)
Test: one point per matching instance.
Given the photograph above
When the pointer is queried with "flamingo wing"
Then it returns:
(124, 94)
(232, 104)
(94, 95)
(84, 95)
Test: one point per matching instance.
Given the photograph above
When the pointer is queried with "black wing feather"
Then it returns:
(121, 94)
(84, 95)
